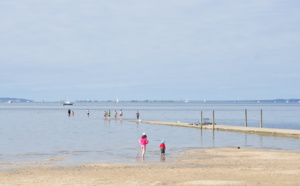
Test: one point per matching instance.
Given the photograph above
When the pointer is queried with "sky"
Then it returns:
(149, 50)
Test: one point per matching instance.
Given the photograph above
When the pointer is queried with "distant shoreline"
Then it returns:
(23, 100)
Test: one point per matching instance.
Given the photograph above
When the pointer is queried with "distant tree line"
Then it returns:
(18, 100)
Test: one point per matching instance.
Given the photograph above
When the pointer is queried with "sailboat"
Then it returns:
(67, 103)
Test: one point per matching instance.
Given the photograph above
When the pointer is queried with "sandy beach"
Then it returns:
(228, 166)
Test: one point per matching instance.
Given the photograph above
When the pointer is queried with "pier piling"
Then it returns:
(246, 118)
(261, 118)
(201, 118)
(213, 119)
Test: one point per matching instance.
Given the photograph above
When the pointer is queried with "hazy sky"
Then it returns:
(158, 49)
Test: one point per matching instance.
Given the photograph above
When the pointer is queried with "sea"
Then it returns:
(44, 133)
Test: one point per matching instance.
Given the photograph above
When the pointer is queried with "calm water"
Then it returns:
(35, 132)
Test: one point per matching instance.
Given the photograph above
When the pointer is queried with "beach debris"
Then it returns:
(198, 123)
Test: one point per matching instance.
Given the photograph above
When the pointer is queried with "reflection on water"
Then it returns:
(39, 132)
(162, 158)
(247, 140)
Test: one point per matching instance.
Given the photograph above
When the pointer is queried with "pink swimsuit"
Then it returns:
(144, 141)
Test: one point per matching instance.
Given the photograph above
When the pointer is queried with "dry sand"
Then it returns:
(228, 166)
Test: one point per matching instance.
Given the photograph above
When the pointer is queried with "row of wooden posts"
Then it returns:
(246, 118)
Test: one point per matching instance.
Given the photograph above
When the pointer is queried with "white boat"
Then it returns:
(67, 103)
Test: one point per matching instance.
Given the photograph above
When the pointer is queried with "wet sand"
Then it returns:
(228, 166)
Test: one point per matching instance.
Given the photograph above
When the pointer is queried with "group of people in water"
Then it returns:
(107, 114)
(69, 112)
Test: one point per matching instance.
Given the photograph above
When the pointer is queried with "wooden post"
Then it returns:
(261, 118)
(201, 118)
(213, 119)
(246, 124)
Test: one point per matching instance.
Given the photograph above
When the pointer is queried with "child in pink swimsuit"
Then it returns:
(143, 141)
